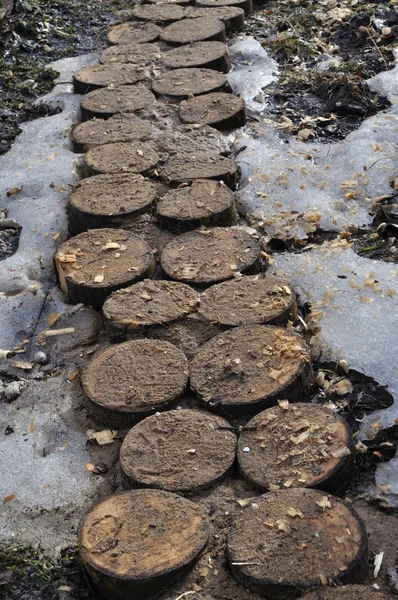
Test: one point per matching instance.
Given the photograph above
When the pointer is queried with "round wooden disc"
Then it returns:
(347, 592)
(119, 128)
(297, 445)
(188, 31)
(135, 543)
(95, 263)
(121, 157)
(220, 110)
(208, 256)
(251, 367)
(293, 540)
(201, 165)
(178, 451)
(136, 54)
(248, 301)
(211, 55)
(159, 13)
(133, 33)
(232, 16)
(147, 303)
(108, 200)
(134, 378)
(94, 77)
(119, 99)
(205, 202)
(180, 2)
(245, 5)
(183, 83)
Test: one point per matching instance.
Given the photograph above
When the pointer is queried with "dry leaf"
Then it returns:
(15, 191)
(99, 278)
(343, 387)
(107, 436)
(9, 498)
(324, 502)
(340, 452)
(111, 246)
(53, 332)
(377, 563)
(284, 404)
(294, 512)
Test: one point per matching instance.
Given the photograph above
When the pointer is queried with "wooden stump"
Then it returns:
(145, 304)
(207, 256)
(219, 110)
(347, 592)
(297, 445)
(134, 544)
(122, 99)
(139, 55)
(121, 157)
(205, 202)
(108, 201)
(294, 540)
(184, 83)
(178, 451)
(133, 379)
(96, 263)
(199, 30)
(119, 128)
(180, 2)
(249, 300)
(247, 369)
(133, 33)
(95, 77)
(245, 5)
(232, 16)
(201, 165)
(163, 14)
(210, 55)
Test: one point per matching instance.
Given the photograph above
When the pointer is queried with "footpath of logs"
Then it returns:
(151, 112)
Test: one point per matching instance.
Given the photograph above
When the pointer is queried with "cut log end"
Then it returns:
(201, 165)
(245, 5)
(133, 33)
(106, 102)
(232, 16)
(210, 55)
(95, 77)
(184, 83)
(119, 128)
(139, 55)
(121, 157)
(163, 14)
(194, 30)
(219, 110)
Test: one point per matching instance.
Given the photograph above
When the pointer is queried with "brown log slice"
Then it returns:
(245, 5)
(250, 368)
(249, 300)
(119, 128)
(133, 379)
(178, 451)
(134, 544)
(199, 30)
(219, 110)
(297, 445)
(94, 77)
(121, 157)
(207, 256)
(347, 592)
(96, 263)
(293, 540)
(146, 304)
(180, 2)
(159, 13)
(107, 102)
(210, 55)
(201, 165)
(232, 16)
(205, 202)
(139, 55)
(108, 200)
(133, 33)
(184, 83)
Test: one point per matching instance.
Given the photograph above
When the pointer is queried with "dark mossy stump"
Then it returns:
(290, 541)
(297, 445)
(95, 77)
(201, 165)
(205, 202)
(109, 201)
(219, 110)
(249, 300)
(184, 83)
(133, 33)
(209, 55)
(188, 31)
(145, 304)
(98, 262)
(163, 14)
(121, 157)
(232, 16)
(247, 369)
(119, 128)
(347, 592)
(245, 5)
(123, 99)
(133, 379)
(178, 450)
(208, 256)
(135, 544)
(139, 55)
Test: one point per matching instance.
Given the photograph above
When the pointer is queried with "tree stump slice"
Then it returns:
(201, 165)
(178, 451)
(179, 2)
(95, 77)
(134, 544)
(146, 304)
(183, 83)
(294, 540)
(106, 102)
(119, 128)
(219, 110)
(347, 592)
(163, 14)
(245, 5)
(133, 379)
(133, 33)
(139, 55)
(96, 263)
(188, 31)
(209, 55)
(205, 202)
(249, 300)
(232, 16)
(297, 445)
(249, 368)
(208, 256)
(121, 157)
(108, 200)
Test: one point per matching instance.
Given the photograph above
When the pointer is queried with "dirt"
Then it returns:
(217, 109)
(106, 102)
(349, 592)
(183, 83)
(10, 231)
